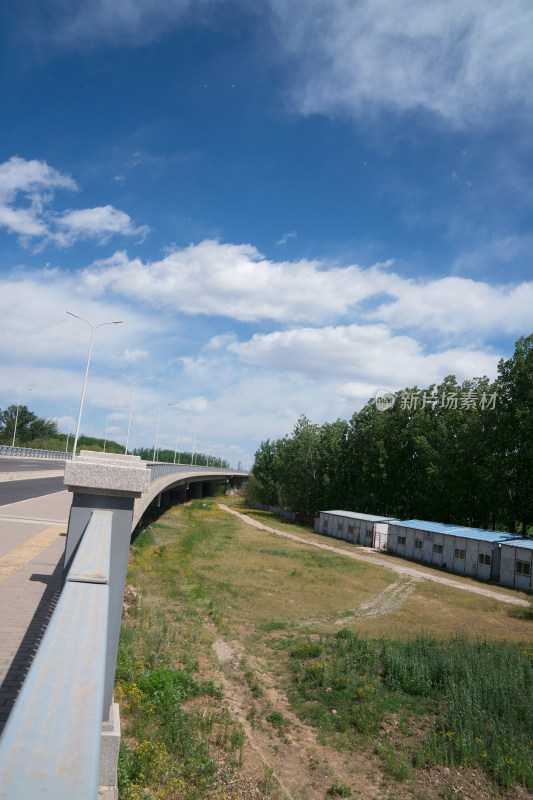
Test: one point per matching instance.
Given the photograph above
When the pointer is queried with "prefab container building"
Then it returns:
(467, 551)
(352, 526)
(517, 564)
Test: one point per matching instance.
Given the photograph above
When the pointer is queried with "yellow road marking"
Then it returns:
(24, 553)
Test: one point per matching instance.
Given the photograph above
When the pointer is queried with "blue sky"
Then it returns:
(290, 205)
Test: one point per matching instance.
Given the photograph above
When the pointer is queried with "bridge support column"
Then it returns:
(111, 482)
(195, 489)
(179, 495)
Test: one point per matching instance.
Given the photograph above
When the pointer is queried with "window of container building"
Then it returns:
(437, 548)
(340, 527)
(418, 544)
(460, 553)
(401, 540)
(484, 558)
(522, 568)
(350, 528)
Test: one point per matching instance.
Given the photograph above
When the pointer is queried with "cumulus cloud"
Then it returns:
(368, 354)
(236, 281)
(96, 223)
(453, 305)
(460, 61)
(27, 189)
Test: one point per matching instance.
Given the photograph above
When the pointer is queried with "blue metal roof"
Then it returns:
(458, 530)
(526, 544)
(357, 515)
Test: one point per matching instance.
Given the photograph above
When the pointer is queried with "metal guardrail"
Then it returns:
(32, 452)
(159, 470)
(51, 742)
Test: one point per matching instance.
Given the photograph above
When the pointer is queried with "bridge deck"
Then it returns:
(32, 542)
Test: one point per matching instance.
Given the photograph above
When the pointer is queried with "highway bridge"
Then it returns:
(63, 561)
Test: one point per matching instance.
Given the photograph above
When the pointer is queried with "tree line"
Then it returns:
(452, 453)
(43, 434)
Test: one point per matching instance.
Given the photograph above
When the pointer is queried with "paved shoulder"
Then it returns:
(32, 543)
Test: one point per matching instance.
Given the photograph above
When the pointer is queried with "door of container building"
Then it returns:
(495, 561)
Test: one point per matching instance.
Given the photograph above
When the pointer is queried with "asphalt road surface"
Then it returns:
(15, 491)
(23, 465)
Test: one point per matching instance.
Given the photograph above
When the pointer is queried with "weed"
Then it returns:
(478, 692)
(339, 790)
(268, 784)
(396, 763)
(279, 722)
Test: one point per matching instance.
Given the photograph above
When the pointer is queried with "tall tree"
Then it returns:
(29, 426)
(515, 439)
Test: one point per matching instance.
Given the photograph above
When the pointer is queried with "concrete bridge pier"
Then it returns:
(195, 490)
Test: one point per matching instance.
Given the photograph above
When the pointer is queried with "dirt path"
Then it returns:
(390, 599)
(298, 764)
(402, 569)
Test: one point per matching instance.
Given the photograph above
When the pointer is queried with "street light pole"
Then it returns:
(29, 389)
(93, 329)
(69, 421)
(177, 440)
(133, 382)
(157, 428)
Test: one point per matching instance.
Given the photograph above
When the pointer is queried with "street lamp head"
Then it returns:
(113, 322)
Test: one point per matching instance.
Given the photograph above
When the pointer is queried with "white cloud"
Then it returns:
(457, 305)
(134, 355)
(369, 355)
(461, 61)
(33, 219)
(97, 223)
(286, 236)
(236, 281)
(35, 329)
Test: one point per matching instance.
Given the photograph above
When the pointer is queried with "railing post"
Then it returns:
(111, 482)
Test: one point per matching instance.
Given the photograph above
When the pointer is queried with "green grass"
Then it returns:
(476, 695)
(172, 720)
(423, 701)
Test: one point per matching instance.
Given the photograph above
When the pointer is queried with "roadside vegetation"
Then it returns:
(453, 453)
(43, 434)
(244, 672)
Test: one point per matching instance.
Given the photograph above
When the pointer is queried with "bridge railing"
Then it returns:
(51, 742)
(159, 470)
(32, 452)
(54, 741)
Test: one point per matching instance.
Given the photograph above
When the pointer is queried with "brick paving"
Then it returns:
(32, 543)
